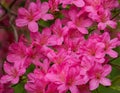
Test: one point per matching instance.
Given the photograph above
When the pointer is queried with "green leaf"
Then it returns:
(19, 88)
(43, 23)
(30, 69)
(116, 83)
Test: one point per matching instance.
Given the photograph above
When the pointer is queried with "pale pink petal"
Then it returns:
(89, 9)
(13, 58)
(53, 78)
(32, 7)
(6, 79)
(94, 84)
(86, 23)
(23, 12)
(46, 31)
(105, 82)
(74, 89)
(114, 42)
(79, 3)
(99, 55)
(21, 71)
(33, 26)
(37, 17)
(44, 7)
(102, 26)
(60, 41)
(21, 22)
(106, 70)
(62, 88)
(47, 17)
(7, 68)
(100, 60)
(15, 80)
(82, 30)
(112, 24)
(71, 24)
(72, 13)
(112, 53)
(52, 40)
(30, 87)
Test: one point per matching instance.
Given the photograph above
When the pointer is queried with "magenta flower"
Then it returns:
(98, 76)
(58, 33)
(104, 20)
(53, 4)
(94, 51)
(17, 53)
(110, 45)
(42, 39)
(67, 78)
(12, 73)
(36, 82)
(79, 21)
(35, 12)
(59, 58)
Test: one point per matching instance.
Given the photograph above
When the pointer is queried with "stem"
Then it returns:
(15, 32)
(7, 10)
(115, 15)
(11, 5)
(14, 29)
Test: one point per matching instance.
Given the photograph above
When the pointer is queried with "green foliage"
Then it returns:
(116, 83)
(19, 88)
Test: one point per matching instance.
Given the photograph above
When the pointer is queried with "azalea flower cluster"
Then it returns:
(67, 56)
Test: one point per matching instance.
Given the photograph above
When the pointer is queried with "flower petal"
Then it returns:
(102, 26)
(33, 26)
(21, 22)
(105, 82)
(107, 70)
(74, 89)
(79, 3)
(112, 53)
(94, 84)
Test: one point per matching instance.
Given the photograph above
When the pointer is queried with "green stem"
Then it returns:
(114, 65)
(115, 15)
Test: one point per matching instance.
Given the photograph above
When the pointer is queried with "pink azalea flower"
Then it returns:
(33, 56)
(36, 82)
(12, 73)
(100, 11)
(67, 78)
(74, 39)
(58, 33)
(79, 21)
(94, 51)
(110, 44)
(42, 39)
(98, 76)
(104, 20)
(59, 58)
(17, 53)
(110, 4)
(37, 87)
(35, 12)
(53, 4)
